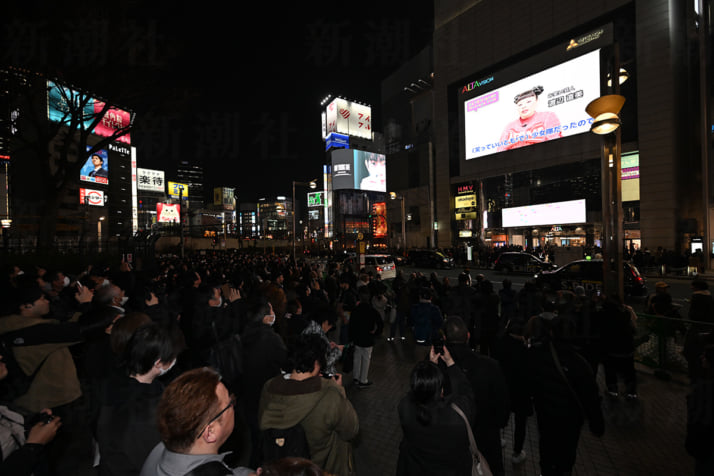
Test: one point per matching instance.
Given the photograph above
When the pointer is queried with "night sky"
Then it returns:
(237, 88)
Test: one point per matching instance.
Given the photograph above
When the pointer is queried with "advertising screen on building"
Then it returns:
(178, 189)
(316, 199)
(541, 107)
(630, 174)
(96, 168)
(359, 170)
(224, 198)
(63, 102)
(91, 197)
(379, 220)
(348, 118)
(558, 213)
(150, 180)
(168, 213)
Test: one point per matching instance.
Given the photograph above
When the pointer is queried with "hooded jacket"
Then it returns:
(321, 407)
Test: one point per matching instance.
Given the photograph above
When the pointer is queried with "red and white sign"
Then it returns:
(168, 213)
(92, 197)
(349, 118)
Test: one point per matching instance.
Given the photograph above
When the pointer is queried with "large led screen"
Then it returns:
(63, 102)
(168, 213)
(558, 213)
(96, 168)
(359, 170)
(544, 106)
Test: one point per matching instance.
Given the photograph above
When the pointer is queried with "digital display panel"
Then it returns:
(560, 213)
(96, 168)
(359, 170)
(62, 102)
(168, 212)
(630, 174)
(315, 199)
(541, 107)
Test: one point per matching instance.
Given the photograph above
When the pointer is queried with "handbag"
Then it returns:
(480, 465)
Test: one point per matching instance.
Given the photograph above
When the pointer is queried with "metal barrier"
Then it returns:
(660, 342)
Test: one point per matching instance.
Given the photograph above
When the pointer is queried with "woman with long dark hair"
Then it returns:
(435, 439)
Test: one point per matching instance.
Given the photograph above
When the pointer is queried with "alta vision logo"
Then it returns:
(475, 84)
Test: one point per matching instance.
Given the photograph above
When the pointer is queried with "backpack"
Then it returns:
(276, 443)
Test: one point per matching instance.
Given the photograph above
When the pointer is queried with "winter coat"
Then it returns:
(552, 398)
(321, 407)
(45, 351)
(426, 319)
(442, 447)
(126, 431)
(163, 462)
(365, 324)
(512, 354)
(264, 356)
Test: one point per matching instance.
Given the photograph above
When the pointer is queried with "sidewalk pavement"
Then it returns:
(654, 445)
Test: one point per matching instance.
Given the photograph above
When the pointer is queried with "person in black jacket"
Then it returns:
(489, 389)
(564, 392)
(264, 356)
(126, 428)
(365, 324)
(511, 353)
(435, 438)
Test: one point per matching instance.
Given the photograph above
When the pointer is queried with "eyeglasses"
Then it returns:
(231, 404)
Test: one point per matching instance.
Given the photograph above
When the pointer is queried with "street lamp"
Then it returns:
(313, 185)
(394, 196)
(605, 111)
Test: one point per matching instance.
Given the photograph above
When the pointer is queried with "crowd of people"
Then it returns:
(198, 363)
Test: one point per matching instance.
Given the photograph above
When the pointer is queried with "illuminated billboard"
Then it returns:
(316, 199)
(91, 197)
(379, 220)
(558, 213)
(150, 180)
(62, 102)
(168, 213)
(178, 189)
(348, 118)
(630, 174)
(224, 198)
(96, 168)
(541, 107)
(359, 170)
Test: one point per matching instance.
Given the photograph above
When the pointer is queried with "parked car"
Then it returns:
(588, 274)
(382, 265)
(519, 262)
(430, 259)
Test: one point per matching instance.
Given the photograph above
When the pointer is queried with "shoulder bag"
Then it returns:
(480, 465)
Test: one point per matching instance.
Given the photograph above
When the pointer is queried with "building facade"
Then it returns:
(483, 50)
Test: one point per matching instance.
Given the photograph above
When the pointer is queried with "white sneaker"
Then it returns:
(519, 458)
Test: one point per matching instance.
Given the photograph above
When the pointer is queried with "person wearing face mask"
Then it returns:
(264, 356)
(126, 428)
